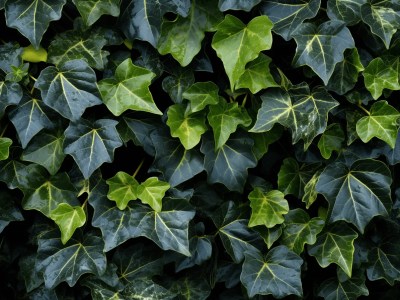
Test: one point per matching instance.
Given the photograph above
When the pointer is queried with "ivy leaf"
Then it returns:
(188, 128)
(245, 5)
(68, 263)
(322, 47)
(288, 15)
(192, 287)
(299, 230)
(257, 75)
(69, 88)
(12, 173)
(263, 140)
(9, 211)
(175, 85)
(351, 289)
(267, 208)
(335, 245)
(10, 94)
(382, 73)
(224, 119)
(5, 144)
(46, 149)
(310, 192)
(152, 191)
(92, 10)
(349, 190)
(74, 44)
(331, 140)
(143, 19)
(91, 144)
(278, 273)
(345, 74)
(381, 123)
(383, 18)
(10, 55)
(201, 94)
(228, 165)
(248, 41)
(128, 89)
(348, 11)
(68, 219)
(269, 235)
(32, 17)
(29, 117)
(182, 37)
(44, 193)
(143, 289)
(122, 189)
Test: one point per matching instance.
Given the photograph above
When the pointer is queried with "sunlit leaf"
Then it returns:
(122, 189)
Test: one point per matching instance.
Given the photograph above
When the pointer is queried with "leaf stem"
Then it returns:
(363, 109)
(138, 168)
(244, 100)
(4, 130)
(33, 78)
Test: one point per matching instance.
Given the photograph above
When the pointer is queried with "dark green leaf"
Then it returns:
(348, 11)
(322, 47)
(91, 144)
(9, 211)
(32, 17)
(175, 85)
(92, 10)
(351, 289)
(191, 287)
(201, 94)
(278, 273)
(5, 144)
(331, 140)
(245, 5)
(200, 248)
(10, 94)
(12, 172)
(10, 55)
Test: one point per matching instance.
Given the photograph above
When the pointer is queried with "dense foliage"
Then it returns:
(197, 149)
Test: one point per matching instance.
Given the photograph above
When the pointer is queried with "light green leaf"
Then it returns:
(299, 230)
(182, 37)
(278, 273)
(247, 41)
(92, 10)
(335, 245)
(288, 15)
(122, 189)
(5, 144)
(12, 173)
(264, 139)
(322, 47)
(348, 11)
(188, 128)
(257, 75)
(32, 17)
(381, 123)
(152, 191)
(68, 219)
(331, 140)
(350, 289)
(128, 89)
(201, 94)
(267, 208)
(224, 118)
(356, 194)
(91, 144)
(69, 88)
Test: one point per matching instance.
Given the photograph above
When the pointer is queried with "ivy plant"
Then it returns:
(196, 149)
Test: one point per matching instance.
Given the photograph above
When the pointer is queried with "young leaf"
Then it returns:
(122, 189)
(201, 94)
(366, 184)
(322, 47)
(68, 219)
(175, 85)
(381, 123)
(69, 88)
(335, 245)
(278, 273)
(152, 191)
(331, 140)
(32, 17)
(91, 144)
(267, 208)
(128, 89)
(248, 41)
(5, 144)
(92, 10)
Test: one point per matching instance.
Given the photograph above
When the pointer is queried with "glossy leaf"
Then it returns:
(10, 55)
(200, 95)
(32, 17)
(245, 5)
(248, 41)
(128, 89)
(69, 88)
(92, 10)
(288, 15)
(335, 245)
(310, 192)
(10, 173)
(91, 144)
(5, 144)
(68, 219)
(381, 123)
(9, 211)
(10, 94)
(175, 85)
(122, 189)
(351, 289)
(322, 47)
(269, 235)
(267, 208)
(348, 11)
(278, 273)
(331, 140)
(152, 192)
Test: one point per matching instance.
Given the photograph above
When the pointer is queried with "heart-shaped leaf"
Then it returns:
(122, 189)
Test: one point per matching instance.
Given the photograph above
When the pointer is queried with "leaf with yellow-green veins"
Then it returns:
(335, 245)
(310, 193)
(237, 44)
(331, 140)
(128, 89)
(92, 10)
(267, 208)
(257, 75)
(188, 128)
(5, 144)
(152, 192)
(201, 94)
(122, 188)
(381, 123)
(68, 218)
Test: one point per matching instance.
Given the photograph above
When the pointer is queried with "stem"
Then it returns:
(138, 168)
(244, 100)
(363, 109)
(33, 78)
(4, 130)
(85, 202)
